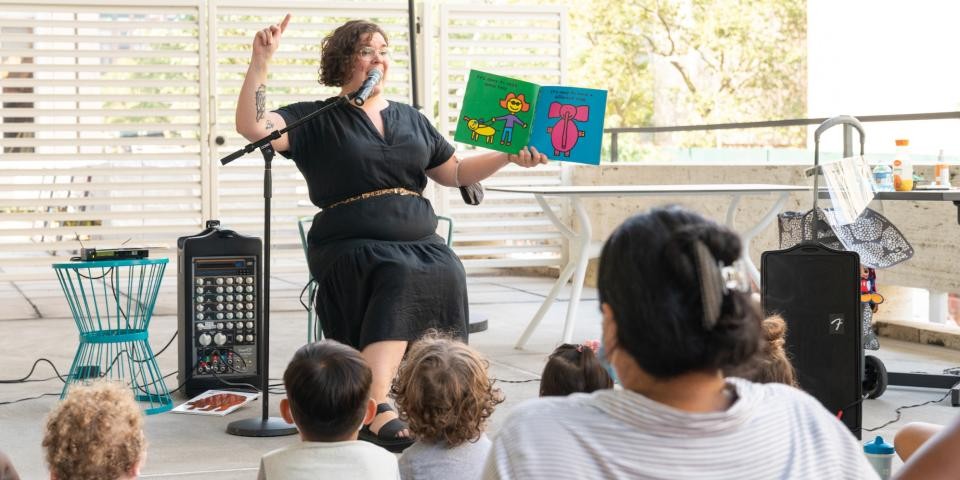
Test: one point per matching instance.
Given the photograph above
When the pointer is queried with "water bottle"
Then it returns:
(883, 178)
(880, 456)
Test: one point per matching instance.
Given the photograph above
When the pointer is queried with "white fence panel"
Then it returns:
(506, 230)
(101, 120)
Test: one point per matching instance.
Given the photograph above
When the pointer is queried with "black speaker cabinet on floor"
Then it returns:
(817, 291)
(218, 310)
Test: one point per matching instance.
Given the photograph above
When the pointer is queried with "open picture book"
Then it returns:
(505, 114)
(216, 402)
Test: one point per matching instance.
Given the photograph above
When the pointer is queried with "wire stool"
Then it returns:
(112, 302)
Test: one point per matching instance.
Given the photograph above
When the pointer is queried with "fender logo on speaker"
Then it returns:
(836, 324)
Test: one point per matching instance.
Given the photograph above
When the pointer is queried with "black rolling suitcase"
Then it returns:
(816, 289)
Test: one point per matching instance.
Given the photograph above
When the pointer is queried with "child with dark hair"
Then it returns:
(328, 398)
(444, 393)
(572, 369)
(676, 312)
(771, 363)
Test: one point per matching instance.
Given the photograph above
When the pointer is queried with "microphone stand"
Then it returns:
(267, 426)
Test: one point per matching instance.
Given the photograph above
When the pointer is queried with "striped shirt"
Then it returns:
(771, 431)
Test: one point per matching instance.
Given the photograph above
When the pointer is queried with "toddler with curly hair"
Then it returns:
(443, 392)
(96, 433)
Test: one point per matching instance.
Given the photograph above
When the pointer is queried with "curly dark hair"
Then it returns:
(338, 51)
(95, 433)
(443, 391)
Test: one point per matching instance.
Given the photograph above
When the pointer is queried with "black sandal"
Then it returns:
(387, 436)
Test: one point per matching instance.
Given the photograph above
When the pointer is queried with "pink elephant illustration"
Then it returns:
(565, 133)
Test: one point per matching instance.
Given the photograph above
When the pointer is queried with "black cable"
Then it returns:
(904, 407)
(30, 398)
(516, 381)
(155, 355)
(24, 379)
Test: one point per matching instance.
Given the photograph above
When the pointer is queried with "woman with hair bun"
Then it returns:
(675, 315)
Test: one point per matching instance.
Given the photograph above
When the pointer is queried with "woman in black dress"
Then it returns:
(384, 275)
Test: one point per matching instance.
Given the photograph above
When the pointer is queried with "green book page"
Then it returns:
(497, 112)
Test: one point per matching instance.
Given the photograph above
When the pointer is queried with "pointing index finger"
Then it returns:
(283, 24)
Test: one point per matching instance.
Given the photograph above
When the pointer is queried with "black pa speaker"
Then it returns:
(817, 292)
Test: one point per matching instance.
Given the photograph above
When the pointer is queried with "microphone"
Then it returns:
(373, 78)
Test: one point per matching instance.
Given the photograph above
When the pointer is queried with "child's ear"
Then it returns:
(285, 411)
(370, 413)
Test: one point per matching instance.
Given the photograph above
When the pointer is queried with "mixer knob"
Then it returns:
(219, 281)
(250, 338)
(199, 298)
(219, 316)
(219, 338)
(199, 289)
(219, 298)
(249, 289)
(199, 281)
(229, 315)
(219, 306)
(250, 325)
(199, 308)
(229, 325)
(230, 289)
(204, 339)
(249, 306)
(229, 298)
(249, 314)
(229, 306)
(199, 316)
(229, 280)
(219, 289)
(240, 280)
(239, 306)
(249, 279)
(249, 297)
(220, 326)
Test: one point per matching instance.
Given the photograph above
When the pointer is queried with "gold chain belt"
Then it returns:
(375, 193)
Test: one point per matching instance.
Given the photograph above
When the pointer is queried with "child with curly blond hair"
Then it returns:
(443, 392)
(96, 433)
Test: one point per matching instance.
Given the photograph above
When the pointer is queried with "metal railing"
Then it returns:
(792, 122)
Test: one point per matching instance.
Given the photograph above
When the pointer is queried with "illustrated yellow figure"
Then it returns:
(480, 129)
(513, 103)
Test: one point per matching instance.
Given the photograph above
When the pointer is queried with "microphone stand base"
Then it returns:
(259, 427)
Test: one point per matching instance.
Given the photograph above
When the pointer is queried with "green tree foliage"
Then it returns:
(694, 61)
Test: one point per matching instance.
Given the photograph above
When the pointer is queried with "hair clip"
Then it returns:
(580, 348)
(734, 277)
(712, 288)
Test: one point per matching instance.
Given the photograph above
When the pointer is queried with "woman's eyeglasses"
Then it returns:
(368, 52)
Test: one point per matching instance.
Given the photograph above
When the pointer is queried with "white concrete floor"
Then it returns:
(35, 323)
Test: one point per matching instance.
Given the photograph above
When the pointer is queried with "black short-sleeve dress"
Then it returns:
(382, 271)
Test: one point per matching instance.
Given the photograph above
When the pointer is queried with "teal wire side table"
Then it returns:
(112, 302)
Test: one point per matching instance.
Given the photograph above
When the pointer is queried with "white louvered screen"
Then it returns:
(101, 119)
(293, 78)
(110, 112)
(506, 230)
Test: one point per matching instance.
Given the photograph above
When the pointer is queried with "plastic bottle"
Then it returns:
(902, 167)
(883, 178)
(941, 176)
(880, 455)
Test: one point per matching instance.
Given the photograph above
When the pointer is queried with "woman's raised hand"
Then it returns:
(528, 157)
(267, 40)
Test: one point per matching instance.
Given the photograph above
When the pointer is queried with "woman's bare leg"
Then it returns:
(384, 359)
